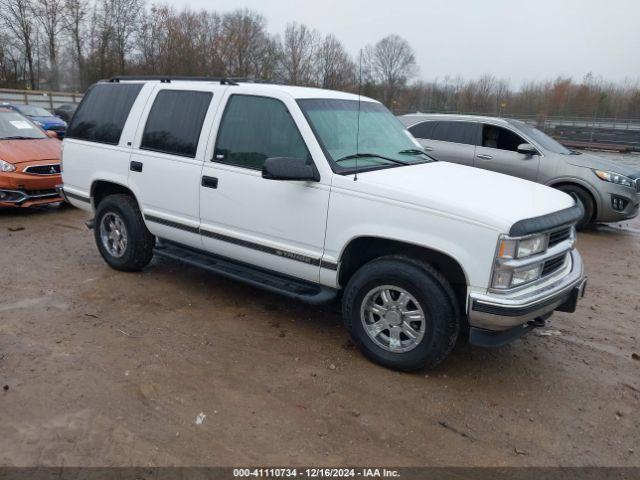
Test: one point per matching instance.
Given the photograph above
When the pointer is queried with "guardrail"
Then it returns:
(48, 100)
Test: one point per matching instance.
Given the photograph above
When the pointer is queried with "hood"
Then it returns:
(49, 121)
(18, 151)
(482, 196)
(600, 163)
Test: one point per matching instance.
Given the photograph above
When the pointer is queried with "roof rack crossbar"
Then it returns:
(169, 79)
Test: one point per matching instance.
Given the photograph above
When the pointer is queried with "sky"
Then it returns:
(518, 40)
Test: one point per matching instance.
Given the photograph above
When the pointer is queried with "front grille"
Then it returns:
(58, 128)
(553, 265)
(52, 169)
(559, 236)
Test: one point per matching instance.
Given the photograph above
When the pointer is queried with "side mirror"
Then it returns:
(527, 149)
(283, 168)
(51, 134)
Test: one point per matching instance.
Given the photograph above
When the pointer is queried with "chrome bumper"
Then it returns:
(494, 311)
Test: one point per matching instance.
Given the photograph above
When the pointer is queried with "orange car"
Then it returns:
(29, 162)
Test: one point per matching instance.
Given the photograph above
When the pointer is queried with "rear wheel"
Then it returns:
(401, 313)
(122, 238)
(584, 198)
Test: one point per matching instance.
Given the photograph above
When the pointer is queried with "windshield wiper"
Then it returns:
(412, 151)
(372, 155)
(18, 137)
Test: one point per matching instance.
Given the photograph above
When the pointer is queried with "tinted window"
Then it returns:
(256, 128)
(423, 130)
(500, 138)
(103, 112)
(455, 132)
(175, 122)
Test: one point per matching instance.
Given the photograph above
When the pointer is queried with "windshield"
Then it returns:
(380, 141)
(544, 140)
(15, 126)
(33, 111)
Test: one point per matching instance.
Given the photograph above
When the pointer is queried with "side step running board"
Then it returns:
(274, 282)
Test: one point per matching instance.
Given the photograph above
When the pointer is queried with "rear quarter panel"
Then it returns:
(84, 163)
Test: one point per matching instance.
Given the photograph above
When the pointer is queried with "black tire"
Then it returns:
(584, 197)
(432, 292)
(140, 242)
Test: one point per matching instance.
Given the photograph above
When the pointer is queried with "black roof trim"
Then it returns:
(547, 222)
(170, 78)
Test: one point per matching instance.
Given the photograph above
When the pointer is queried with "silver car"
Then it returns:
(608, 191)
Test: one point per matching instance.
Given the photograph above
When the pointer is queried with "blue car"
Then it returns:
(41, 117)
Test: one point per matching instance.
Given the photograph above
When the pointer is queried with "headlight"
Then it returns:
(522, 247)
(616, 178)
(6, 167)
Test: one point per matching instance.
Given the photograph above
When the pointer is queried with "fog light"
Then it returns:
(618, 203)
(9, 196)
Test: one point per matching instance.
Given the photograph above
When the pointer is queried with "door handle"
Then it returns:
(486, 157)
(135, 166)
(209, 182)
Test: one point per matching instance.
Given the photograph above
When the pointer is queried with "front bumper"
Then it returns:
(22, 198)
(504, 311)
(609, 194)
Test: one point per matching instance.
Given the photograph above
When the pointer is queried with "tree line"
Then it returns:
(69, 44)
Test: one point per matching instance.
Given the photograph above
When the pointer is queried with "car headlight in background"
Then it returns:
(6, 167)
(522, 247)
(616, 178)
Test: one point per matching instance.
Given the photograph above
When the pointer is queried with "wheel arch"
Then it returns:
(361, 250)
(100, 189)
(575, 182)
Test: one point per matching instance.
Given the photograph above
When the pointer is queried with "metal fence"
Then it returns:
(48, 100)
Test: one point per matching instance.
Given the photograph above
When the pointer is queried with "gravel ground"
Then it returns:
(102, 368)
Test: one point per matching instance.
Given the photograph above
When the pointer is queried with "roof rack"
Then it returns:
(169, 79)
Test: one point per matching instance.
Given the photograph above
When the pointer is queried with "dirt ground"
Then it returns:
(102, 368)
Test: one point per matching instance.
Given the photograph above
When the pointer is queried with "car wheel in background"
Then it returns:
(121, 235)
(585, 199)
(401, 313)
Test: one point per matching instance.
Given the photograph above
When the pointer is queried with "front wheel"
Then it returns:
(121, 235)
(584, 198)
(401, 313)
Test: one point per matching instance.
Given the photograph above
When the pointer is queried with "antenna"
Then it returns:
(355, 177)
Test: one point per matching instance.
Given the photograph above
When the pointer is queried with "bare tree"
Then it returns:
(49, 14)
(247, 48)
(125, 16)
(334, 68)
(75, 15)
(299, 46)
(16, 17)
(390, 62)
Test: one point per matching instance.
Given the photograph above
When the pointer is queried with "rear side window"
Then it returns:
(423, 130)
(256, 128)
(175, 122)
(455, 132)
(103, 112)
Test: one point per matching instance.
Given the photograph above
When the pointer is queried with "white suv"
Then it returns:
(321, 195)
